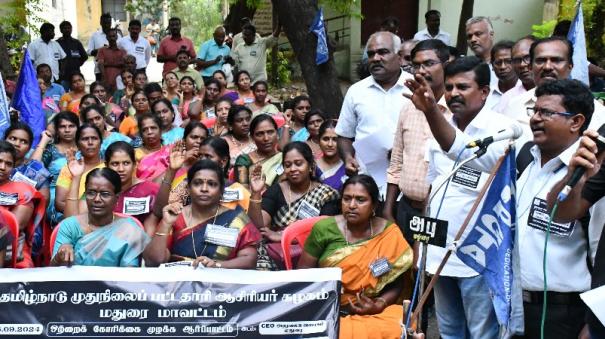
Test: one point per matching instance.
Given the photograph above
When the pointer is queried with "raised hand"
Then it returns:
(351, 166)
(422, 94)
(177, 155)
(257, 179)
(171, 212)
(76, 167)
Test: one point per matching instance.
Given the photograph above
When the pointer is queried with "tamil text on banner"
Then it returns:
(168, 302)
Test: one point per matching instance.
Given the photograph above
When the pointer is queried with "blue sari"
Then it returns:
(118, 244)
(54, 161)
(113, 137)
(301, 135)
(172, 136)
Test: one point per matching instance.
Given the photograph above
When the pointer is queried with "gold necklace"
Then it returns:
(347, 231)
(190, 221)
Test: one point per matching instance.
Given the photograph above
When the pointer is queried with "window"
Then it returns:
(115, 8)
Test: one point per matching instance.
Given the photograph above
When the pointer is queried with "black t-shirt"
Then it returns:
(593, 191)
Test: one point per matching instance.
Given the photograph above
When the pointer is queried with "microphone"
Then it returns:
(511, 132)
(579, 171)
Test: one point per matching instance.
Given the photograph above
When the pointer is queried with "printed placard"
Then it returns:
(538, 219)
(427, 230)
(221, 235)
(467, 177)
(136, 206)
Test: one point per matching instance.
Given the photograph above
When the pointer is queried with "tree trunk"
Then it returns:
(237, 11)
(296, 16)
(8, 73)
(465, 13)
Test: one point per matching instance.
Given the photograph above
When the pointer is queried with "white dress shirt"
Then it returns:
(97, 40)
(141, 49)
(425, 35)
(508, 96)
(49, 53)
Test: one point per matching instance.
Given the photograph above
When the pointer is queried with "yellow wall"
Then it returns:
(89, 12)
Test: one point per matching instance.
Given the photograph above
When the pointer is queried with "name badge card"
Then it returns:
(20, 177)
(538, 219)
(467, 177)
(231, 195)
(8, 199)
(136, 206)
(306, 210)
(221, 235)
(279, 170)
(379, 267)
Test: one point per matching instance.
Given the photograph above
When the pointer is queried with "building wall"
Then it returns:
(88, 13)
(62, 10)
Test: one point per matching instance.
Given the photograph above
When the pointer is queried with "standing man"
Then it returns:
(153, 33)
(183, 60)
(98, 39)
(252, 54)
(480, 39)
(111, 60)
(47, 51)
(238, 39)
(212, 54)
(75, 54)
(172, 44)
(432, 31)
(520, 63)
(371, 106)
(133, 44)
(502, 64)
(406, 55)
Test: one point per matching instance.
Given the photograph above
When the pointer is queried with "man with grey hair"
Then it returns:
(212, 54)
(371, 106)
(480, 39)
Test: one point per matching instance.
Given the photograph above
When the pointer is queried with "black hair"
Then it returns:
(126, 70)
(89, 96)
(258, 83)
(467, 64)
(532, 49)
(140, 71)
(108, 174)
(64, 115)
(500, 45)
(234, 110)
(96, 108)
(326, 125)
(390, 21)
(47, 26)
(146, 116)
(220, 71)
(313, 112)
(367, 182)
(151, 88)
(134, 22)
(239, 74)
(223, 99)
(71, 77)
(431, 12)
(298, 99)
(167, 103)
(577, 97)
(249, 27)
(454, 52)
(97, 84)
(119, 146)
(182, 51)
(105, 16)
(174, 18)
(7, 147)
(304, 150)
(40, 66)
(193, 124)
(137, 92)
(260, 118)
(84, 126)
(221, 148)
(64, 23)
(288, 104)
(186, 77)
(436, 45)
(206, 164)
(213, 81)
(20, 126)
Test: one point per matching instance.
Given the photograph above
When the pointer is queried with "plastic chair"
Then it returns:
(10, 221)
(298, 230)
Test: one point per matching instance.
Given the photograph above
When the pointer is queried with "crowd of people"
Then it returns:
(132, 173)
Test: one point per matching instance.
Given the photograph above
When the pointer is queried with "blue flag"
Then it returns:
(27, 99)
(488, 248)
(4, 115)
(578, 40)
(318, 29)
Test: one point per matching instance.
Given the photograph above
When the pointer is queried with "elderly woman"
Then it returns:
(373, 256)
(100, 237)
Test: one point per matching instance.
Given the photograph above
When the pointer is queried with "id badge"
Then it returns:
(279, 170)
(20, 177)
(8, 199)
(379, 267)
(136, 206)
(306, 210)
(231, 195)
(221, 235)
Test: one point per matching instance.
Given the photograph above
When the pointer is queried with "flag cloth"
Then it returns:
(318, 29)
(488, 248)
(27, 99)
(4, 115)
(578, 40)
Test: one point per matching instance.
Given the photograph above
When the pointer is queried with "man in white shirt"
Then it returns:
(47, 51)
(98, 39)
(135, 45)
(480, 39)
(371, 106)
(502, 63)
(432, 31)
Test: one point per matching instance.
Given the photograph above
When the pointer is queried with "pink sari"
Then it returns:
(153, 165)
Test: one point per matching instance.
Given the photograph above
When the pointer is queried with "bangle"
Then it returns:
(165, 234)
(256, 201)
(72, 199)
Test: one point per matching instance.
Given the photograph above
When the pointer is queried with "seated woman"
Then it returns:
(190, 104)
(171, 88)
(70, 101)
(88, 100)
(122, 96)
(113, 112)
(225, 93)
(238, 138)
(140, 103)
(242, 84)
(373, 256)
(204, 232)
(70, 186)
(313, 120)
(211, 96)
(151, 156)
(165, 111)
(330, 168)
(95, 115)
(100, 237)
(264, 133)
(298, 197)
(260, 104)
(218, 126)
(301, 106)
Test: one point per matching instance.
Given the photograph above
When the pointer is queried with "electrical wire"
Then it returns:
(545, 295)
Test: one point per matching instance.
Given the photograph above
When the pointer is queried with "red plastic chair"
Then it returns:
(8, 218)
(298, 230)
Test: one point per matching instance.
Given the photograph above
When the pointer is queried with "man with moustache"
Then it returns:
(521, 67)
(170, 45)
(461, 294)
(213, 53)
(480, 39)
(372, 105)
(135, 45)
(501, 56)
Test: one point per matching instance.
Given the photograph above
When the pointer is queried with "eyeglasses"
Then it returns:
(426, 65)
(546, 114)
(90, 194)
(524, 59)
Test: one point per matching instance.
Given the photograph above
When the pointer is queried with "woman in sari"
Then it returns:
(190, 104)
(87, 100)
(297, 197)
(297, 130)
(238, 138)
(211, 96)
(70, 101)
(244, 92)
(151, 156)
(330, 168)
(264, 133)
(95, 115)
(99, 237)
(165, 111)
(140, 103)
(70, 185)
(21, 199)
(53, 151)
(122, 96)
(219, 126)
(225, 93)
(313, 120)
(113, 112)
(373, 256)
(188, 233)
(171, 88)
(260, 104)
